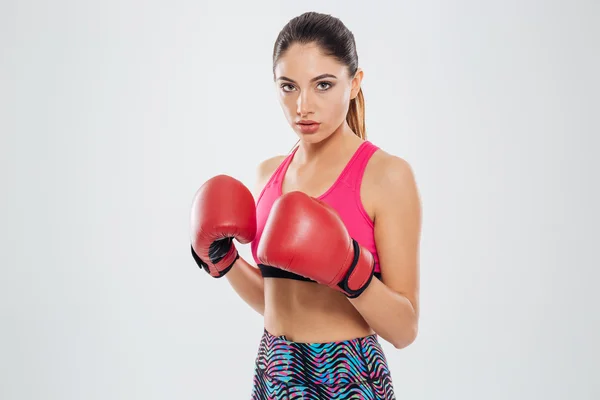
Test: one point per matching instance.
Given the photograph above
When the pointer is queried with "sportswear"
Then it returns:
(348, 369)
(343, 196)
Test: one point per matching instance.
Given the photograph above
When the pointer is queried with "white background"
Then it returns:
(113, 113)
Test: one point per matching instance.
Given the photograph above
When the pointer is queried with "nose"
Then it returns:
(304, 103)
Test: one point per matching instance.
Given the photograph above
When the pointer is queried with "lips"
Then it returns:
(307, 126)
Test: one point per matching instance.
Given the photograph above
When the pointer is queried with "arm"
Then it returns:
(391, 307)
(248, 284)
(244, 278)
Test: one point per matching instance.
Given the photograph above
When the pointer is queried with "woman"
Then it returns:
(335, 231)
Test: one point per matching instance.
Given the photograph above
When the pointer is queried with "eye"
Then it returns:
(328, 85)
(284, 86)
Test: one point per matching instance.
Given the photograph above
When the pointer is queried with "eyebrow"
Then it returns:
(316, 78)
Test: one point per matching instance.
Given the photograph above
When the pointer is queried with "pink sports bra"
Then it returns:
(343, 196)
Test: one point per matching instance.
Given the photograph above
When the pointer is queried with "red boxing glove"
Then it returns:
(305, 236)
(223, 209)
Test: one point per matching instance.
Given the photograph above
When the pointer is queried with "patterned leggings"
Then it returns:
(351, 369)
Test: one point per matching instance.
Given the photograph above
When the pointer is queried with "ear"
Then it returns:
(356, 81)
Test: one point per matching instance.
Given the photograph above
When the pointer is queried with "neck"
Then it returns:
(339, 139)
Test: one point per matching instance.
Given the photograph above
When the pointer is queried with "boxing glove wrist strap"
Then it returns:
(359, 274)
(221, 267)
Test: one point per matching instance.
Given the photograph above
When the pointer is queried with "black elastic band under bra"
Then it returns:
(271, 272)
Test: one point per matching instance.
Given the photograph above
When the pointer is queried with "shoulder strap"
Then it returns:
(276, 175)
(283, 166)
(355, 175)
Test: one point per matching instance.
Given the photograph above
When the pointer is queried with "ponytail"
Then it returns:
(356, 115)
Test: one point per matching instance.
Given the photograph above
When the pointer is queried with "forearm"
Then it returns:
(390, 314)
(248, 284)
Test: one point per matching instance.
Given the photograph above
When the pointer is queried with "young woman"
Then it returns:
(335, 231)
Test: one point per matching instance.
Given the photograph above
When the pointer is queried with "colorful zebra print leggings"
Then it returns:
(351, 369)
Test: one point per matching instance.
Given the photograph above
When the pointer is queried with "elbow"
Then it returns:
(405, 338)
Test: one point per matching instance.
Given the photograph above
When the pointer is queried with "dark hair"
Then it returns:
(335, 40)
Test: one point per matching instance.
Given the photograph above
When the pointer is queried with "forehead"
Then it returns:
(305, 61)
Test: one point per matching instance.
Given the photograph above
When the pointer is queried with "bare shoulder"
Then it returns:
(268, 166)
(391, 179)
(264, 170)
(386, 169)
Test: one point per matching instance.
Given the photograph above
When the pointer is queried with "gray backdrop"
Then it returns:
(113, 113)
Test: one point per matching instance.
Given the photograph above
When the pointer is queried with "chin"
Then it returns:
(312, 138)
